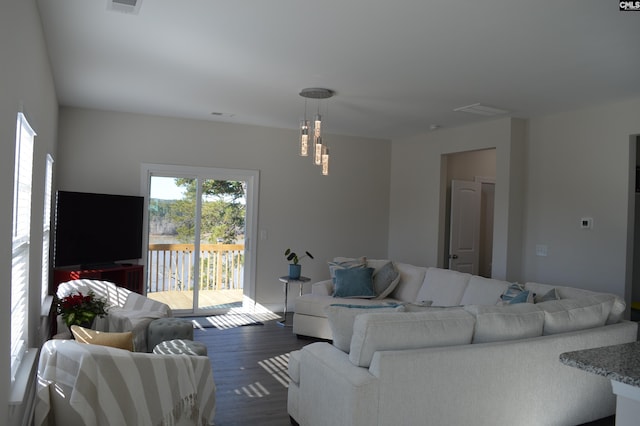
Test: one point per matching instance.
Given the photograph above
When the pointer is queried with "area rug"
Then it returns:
(225, 321)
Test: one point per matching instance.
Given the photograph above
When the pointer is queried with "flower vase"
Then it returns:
(84, 324)
(295, 271)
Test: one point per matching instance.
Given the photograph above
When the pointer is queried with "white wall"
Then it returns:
(418, 195)
(343, 214)
(578, 166)
(25, 79)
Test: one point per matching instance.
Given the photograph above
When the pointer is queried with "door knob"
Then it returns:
(453, 256)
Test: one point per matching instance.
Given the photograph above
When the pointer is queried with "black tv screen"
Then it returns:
(97, 229)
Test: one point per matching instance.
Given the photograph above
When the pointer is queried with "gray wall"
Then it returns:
(579, 166)
(25, 83)
(343, 214)
(418, 192)
(573, 165)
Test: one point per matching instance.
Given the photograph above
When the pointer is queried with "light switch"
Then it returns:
(263, 234)
(541, 250)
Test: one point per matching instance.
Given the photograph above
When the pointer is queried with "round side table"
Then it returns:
(288, 280)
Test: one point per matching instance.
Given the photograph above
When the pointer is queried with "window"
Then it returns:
(46, 227)
(20, 241)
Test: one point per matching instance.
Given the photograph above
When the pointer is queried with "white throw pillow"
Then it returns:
(565, 315)
(395, 331)
(411, 279)
(345, 263)
(443, 286)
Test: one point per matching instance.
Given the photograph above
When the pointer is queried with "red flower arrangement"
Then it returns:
(81, 310)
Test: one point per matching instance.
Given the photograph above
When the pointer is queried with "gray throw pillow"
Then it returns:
(385, 280)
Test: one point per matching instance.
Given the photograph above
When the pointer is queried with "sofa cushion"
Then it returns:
(575, 293)
(483, 291)
(385, 279)
(374, 332)
(354, 282)
(341, 317)
(115, 340)
(509, 322)
(567, 315)
(411, 279)
(443, 286)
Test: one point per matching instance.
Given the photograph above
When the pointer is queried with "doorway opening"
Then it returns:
(200, 226)
(469, 181)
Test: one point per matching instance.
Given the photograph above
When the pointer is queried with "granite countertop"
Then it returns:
(618, 362)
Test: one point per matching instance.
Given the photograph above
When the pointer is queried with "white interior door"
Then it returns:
(464, 242)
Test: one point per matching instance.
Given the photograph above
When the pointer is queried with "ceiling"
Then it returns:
(397, 67)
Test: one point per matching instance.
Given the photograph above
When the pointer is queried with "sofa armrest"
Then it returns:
(333, 391)
(322, 288)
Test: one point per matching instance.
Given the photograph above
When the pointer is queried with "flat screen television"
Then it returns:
(97, 229)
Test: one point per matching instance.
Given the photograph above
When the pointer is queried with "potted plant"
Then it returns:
(295, 269)
(79, 309)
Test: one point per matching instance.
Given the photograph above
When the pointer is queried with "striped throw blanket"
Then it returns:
(115, 387)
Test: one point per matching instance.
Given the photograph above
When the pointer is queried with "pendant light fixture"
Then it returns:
(319, 149)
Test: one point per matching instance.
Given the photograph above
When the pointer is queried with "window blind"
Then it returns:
(20, 244)
(46, 228)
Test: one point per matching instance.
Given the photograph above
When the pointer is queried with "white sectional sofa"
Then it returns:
(467, 359)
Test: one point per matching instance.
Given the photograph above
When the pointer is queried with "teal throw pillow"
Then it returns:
(354, 282)
(523, 297)
(512, 291)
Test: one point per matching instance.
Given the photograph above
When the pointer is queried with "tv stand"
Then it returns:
(124, 275)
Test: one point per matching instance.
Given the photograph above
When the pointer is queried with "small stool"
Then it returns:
(180, 346)
(163, 329)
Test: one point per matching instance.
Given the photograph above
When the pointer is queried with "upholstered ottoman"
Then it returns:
(180, 346)
(163, 329)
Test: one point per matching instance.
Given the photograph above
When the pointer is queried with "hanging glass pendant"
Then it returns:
(325, 160)
(317, 126)
(304, 138)
(317, 159)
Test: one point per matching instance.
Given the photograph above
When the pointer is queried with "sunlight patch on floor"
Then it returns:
(277, 367)
(254, 390)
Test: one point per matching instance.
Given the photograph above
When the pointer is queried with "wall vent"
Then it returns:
(480, 109)
(124, 6)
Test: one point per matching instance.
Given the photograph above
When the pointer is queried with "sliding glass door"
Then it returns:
(200, 230)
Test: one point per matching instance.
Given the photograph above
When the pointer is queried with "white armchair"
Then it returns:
(127, 311)
(86, 384)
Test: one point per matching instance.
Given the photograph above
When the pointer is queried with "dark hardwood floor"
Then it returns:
(250, 371)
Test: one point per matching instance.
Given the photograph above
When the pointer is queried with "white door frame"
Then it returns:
(252, 177)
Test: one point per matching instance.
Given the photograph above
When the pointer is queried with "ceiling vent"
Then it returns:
(124, 6)
(480, 109)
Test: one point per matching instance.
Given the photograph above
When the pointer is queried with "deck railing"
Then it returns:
(172, 267)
